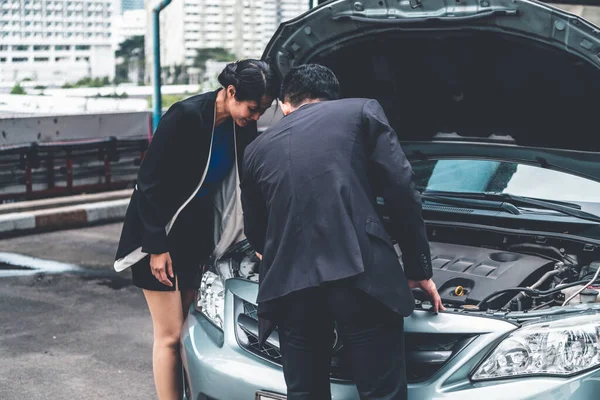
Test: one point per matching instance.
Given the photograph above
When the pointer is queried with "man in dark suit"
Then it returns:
(309, 198)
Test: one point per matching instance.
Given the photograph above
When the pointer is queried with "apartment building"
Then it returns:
(244, 27)
(130, 23)
(132, 5)
(56, 41)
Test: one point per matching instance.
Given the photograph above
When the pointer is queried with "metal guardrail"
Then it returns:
(42, 170)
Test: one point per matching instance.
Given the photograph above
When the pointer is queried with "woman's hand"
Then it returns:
(161, 265)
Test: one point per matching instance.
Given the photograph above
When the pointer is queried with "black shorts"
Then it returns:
(188, 248)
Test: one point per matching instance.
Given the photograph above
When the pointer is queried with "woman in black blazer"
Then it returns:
(186, 204)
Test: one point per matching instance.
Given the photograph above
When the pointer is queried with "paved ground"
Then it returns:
(78, 335)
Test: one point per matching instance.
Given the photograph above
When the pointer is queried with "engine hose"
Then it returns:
(532, 292)
(559, 269)
(540, 250)
(582, 288)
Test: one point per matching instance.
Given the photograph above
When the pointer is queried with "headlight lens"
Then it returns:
(560, 348)
(210, 299)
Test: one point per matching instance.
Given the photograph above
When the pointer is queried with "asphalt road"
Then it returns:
(82, 334)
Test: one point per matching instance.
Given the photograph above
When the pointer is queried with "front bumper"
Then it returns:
(218, 368)
(221, 370)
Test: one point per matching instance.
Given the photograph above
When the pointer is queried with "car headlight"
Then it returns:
(210, 298)
(558, 348)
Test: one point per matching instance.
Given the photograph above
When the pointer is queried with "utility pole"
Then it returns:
(157, 97)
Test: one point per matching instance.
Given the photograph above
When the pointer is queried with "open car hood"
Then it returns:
(502, 79)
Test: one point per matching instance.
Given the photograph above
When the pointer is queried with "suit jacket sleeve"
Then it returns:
(154, 181)
(254, 207)
(401, 197)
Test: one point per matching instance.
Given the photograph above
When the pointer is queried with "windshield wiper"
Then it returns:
(516, 201)
(467, 202)
(526, 199)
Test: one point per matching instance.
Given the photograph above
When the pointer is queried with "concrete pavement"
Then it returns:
(85, 334)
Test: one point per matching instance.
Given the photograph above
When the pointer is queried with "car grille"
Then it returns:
(425, 353)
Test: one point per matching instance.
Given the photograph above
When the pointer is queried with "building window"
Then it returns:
(19, 59)
(62, 47)
(41, 48)
(21, 47)
(41, 59)
(82, 47)
(3, 47)
(2, 59)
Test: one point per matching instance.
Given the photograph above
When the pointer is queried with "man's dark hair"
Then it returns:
(309, 82)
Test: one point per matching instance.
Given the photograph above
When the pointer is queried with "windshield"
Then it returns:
(481, 176)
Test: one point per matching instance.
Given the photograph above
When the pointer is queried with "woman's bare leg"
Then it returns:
(167, 319)
(187, 298)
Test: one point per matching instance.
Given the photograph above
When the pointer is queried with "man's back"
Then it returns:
(308, 194)
(312, 170)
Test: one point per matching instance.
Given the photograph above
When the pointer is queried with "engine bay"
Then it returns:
(478, 278)
(466, 274)
(481, 271)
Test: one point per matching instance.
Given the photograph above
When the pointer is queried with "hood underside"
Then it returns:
(509, 73)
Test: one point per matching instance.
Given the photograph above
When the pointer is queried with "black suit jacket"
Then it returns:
(170, 172)
(308, 193)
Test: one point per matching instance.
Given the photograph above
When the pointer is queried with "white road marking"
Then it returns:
(37, 265)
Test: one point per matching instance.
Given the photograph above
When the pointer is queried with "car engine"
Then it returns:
(465, 275)
(520, 277)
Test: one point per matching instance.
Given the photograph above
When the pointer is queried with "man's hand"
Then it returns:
(428, 286)
(161, 265)
(258, 255)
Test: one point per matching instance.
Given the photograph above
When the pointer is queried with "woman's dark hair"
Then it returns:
(252, 80)
(309, 82)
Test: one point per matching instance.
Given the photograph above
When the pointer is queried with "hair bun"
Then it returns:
(229, 75)
(231, 68)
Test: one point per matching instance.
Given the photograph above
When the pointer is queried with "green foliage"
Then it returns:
(212, 53)
(130, 51)
(89, 82)
(121, 73)
(18, 89)
(112, 96)
(133, 46)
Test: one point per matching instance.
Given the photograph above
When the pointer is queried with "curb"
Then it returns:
(62, 217)
(32, 205)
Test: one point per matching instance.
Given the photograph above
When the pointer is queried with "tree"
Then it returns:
(130, 47)
(131, 55)
(88, 82)
(18, 89)
(212, 53)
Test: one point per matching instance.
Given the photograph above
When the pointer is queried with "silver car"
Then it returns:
(495, 103)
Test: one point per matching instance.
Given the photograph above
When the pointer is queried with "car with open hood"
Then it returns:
(494, 103)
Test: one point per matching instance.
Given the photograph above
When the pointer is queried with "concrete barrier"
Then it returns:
(57, 128)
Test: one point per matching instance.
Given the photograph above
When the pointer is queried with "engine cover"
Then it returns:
(481, 272)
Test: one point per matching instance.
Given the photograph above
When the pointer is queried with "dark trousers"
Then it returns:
(372, 334)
